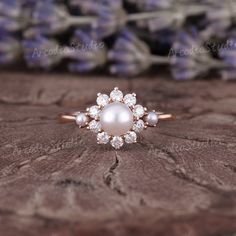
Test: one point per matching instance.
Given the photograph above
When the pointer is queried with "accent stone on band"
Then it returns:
(151, 118)
(81, 119)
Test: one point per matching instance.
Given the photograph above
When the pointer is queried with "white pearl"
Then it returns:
(151, 118)
(116, 119)
(81, 120)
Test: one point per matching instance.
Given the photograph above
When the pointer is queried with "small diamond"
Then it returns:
(139, 111)
(95, 126)
(116, 95)
(102, 100)
(103, 138)
(130, 100)
(94, 112)
(131, 137)
(139, 126)
(117, 142)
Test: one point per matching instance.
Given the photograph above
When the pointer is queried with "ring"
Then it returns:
(116, 119)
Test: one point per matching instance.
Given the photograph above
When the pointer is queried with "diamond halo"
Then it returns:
(128, 107)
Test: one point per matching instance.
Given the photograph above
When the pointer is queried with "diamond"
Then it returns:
(116, 95)
(130, 100)
(117, 142)
(103, 138)
(139, 111)
(139, 126)
(131, 137)
(102, 100)
(95, 126)
(94, 112)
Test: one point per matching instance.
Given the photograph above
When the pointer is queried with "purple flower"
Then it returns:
(130, 55)
(12, 15)
(10, 8)
(111, 17)
(49, 18)
(86, 53)
(228, 55)
(41, 52)
(10, 49)
(217, 21)
(188, 57)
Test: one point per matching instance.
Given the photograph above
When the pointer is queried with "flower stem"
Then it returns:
(216, 64)
(159, 59)
(82, 20)
(181, 10)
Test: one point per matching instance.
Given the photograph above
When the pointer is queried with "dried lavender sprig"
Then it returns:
(53, 19)
(10, 49)
(131, 56)
(227, 54)
(10, 8)
(41, 52)
(85, 54)
(217, 19)
(188, 58)
(13, 17)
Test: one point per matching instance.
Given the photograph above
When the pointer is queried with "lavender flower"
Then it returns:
(110, 16)
(10, 8)
(188, 57)
(228, 55)
(217, 20)
(49, 18)
(91, 6)
(10, 49)
(41, 52)
(130, 55)
(12, 15)
(86, 53)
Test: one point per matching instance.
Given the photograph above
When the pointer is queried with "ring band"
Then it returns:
(69, 118)
(116, 119)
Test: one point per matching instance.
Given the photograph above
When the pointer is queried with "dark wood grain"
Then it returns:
(179, 180)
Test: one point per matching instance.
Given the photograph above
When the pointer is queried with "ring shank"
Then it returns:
(69, 118)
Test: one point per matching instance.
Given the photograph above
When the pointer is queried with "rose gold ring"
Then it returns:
(116, 119)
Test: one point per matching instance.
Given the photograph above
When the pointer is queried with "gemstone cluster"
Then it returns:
(116, 119)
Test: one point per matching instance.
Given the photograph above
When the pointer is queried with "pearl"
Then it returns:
(116, 119)
(82, 120)
(151, 118)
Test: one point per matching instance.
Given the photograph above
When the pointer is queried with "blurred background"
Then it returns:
(188, 39)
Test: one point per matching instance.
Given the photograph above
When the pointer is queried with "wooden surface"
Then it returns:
(179, 180)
